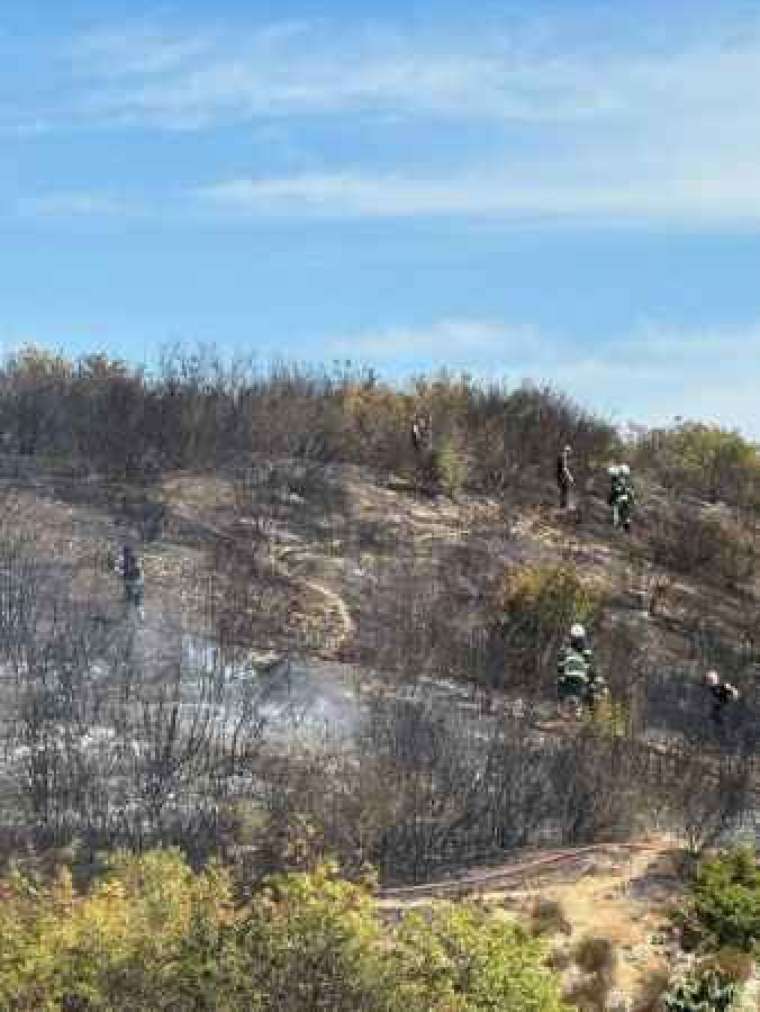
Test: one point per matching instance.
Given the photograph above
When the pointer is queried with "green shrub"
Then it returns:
(723, 909)
(462, 958)
(538, 597)
(711, 461)
(534, 608)
(154, 936)
(704, 991)
(610, 718)
(449, 466)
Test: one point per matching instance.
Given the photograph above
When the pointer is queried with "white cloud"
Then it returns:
(154, 75)
(660, 372)
(734, 199)
(449, 341)
(649, 376)
(572, 129)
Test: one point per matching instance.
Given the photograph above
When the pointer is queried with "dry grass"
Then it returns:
(620, 896)
(622, 900)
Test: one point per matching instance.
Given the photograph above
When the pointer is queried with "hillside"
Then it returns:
(349, 649)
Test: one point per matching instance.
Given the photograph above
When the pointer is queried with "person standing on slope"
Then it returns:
(131, 574)
(564, 477)
(421, 433)
(621, 497)
(574, 673)
(722, 694)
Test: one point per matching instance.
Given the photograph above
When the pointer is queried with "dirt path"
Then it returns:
(619, 892)
(513, 872)
(280, 556)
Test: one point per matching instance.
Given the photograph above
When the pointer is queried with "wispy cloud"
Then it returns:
(629, 132)
(732, 198)
(451, 340)
(661, 373)
(155, 77)
(653, 374)
(172, 78)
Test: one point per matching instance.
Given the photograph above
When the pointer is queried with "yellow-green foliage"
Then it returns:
(708, 448)
(535, 607)
(375, 415)
(152, 935)
(610, 718)
(119, 946)
(548, 596)
(462, 958)
(716, 462)
(450, 465)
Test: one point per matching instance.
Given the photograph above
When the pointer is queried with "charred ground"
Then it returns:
(284, 518)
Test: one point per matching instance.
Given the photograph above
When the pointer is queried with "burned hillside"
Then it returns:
(320, 595)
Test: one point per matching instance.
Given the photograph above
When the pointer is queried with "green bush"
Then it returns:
(462, 958)
(715, 463)
(704, 991)
(154, 936)
(723, 909)
(534, 609)
(449, 466)
(537, 597)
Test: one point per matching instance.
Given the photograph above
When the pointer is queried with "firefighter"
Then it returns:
(621, 497)
(564, 477)
(722, 694)
(132, 575)
(596, 688)
(421, 433)
(573, 671)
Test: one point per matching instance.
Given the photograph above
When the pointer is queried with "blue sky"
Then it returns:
(565, 191)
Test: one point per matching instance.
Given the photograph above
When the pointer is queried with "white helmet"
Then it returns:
(732, 691)
(577, 632)
(711, 678)
(624, 470)
(613, 470)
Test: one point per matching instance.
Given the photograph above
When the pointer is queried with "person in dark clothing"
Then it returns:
(564, 477)
(722, 694)
(131, 573)
(127, 561)
(421, 433)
